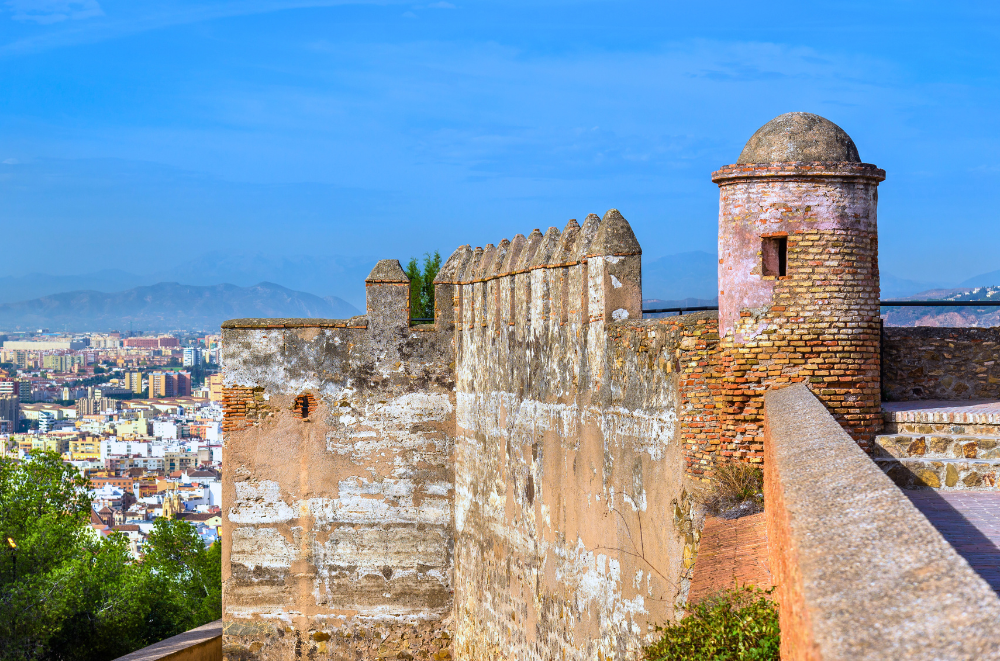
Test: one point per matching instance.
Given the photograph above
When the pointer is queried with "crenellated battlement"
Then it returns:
(580, 275)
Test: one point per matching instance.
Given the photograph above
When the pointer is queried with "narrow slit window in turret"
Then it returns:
(774, 255)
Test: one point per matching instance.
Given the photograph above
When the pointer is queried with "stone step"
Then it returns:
(937, 446)
(964, 429)
(945, 474)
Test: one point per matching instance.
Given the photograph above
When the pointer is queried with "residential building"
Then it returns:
(10, 408)
(64, 344)
(192, 357)
(24, 391)
(169, 384)
(133, 381)
(215, 387)
(61, 362)
(179, 461)
(164, 342)
(86, 449)
(165, 429)
(132, 428)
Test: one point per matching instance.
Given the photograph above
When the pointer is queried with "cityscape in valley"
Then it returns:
(139, 416)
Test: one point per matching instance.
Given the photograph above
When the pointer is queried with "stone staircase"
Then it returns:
(943, 445)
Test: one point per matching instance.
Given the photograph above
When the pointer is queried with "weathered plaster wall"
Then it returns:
(940, 363)
(573, 533)
(338, 527)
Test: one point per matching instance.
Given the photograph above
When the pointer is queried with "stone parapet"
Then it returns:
(860, 572)
(589, 274)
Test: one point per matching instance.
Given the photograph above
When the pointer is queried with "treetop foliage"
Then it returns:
(69, 594)
(422, 285)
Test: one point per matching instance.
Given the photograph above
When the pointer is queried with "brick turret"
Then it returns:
(798, 278)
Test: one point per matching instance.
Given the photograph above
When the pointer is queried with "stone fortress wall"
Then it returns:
(338, 480)
(506, 481)
(570, 513)
(514, 480)
(940, 363)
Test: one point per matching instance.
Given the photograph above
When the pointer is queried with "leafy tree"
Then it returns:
(422, 285)
(193, 573)
(67, 593)
(44, 507)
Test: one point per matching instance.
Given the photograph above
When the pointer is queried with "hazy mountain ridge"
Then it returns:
(948, 316)
(335, 275)
(168, 306)
(333, 282)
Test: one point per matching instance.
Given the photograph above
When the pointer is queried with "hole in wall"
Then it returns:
(774, 255)
(304, 405)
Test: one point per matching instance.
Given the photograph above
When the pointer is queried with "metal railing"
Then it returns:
(929, 304)
(682, 310)
(883, 304)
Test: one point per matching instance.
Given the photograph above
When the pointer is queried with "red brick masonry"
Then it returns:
(731, 553)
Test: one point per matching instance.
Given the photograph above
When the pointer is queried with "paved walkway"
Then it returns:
(970, 521)
(730, 553)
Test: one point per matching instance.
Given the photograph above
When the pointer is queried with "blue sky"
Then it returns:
(134, 132)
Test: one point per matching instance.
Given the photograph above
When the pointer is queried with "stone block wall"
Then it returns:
(507, 482)
(940, 363)
(338, 484)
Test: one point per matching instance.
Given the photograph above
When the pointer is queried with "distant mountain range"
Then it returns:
(948, 316)
(187, 294)
(343, 277)
(168, 306)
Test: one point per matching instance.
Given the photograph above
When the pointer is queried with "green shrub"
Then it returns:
(739, 623)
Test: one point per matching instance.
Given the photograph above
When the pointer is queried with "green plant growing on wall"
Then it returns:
(737, 490)
(733, 625)
(422, 285)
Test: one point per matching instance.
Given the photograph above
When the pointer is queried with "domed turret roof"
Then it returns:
(800, 136)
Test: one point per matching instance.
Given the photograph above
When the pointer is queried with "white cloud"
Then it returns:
(11, 161)
(409, 14)
(53, 11)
